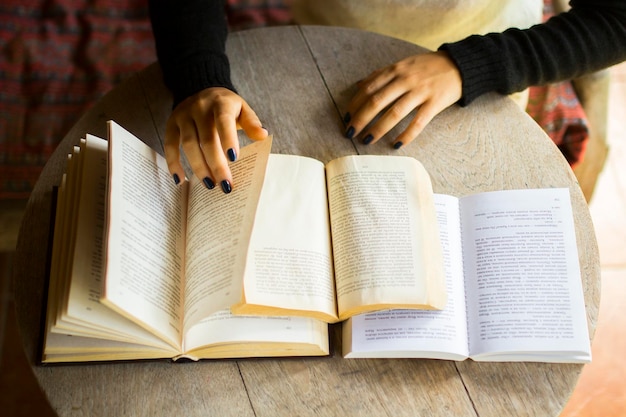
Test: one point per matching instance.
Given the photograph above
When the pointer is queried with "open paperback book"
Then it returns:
(142, 268)
(514, 286)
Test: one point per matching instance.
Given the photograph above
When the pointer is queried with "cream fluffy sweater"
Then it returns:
(428, 23)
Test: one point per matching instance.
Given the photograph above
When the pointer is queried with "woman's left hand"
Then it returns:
(428, 82)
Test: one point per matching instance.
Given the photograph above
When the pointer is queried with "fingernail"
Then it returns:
(368, 139)
(231, 154)
(176, 179)
(397, 145)
(208, 182)
(347, 118)
(350, 132)
(226, 187)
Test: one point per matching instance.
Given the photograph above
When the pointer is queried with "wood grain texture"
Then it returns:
(340, 387)
(146, 389)
(275, 71)
(299, 80)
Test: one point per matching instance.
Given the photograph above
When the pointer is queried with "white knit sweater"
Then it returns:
(427, 23)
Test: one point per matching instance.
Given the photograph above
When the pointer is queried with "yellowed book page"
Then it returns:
(224, 328)
(289, 268)
(62, 348)
(385, 236)
(60, 251)
(74, 175)
(86, 272)
(218, 233)
(83, 313)
(146, 237)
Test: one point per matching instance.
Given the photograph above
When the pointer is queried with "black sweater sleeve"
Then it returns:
(588, 37)
(190, 39)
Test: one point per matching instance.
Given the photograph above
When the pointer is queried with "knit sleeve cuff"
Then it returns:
(480, 64)
(185, 80)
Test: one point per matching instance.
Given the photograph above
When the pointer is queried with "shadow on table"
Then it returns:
(21, 394)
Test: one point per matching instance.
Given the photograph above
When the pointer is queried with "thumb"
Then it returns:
(250, 123)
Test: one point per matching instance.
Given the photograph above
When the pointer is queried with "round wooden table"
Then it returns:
(299, 80)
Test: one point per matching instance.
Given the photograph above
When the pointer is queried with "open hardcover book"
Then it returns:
(142, 268)
(514, 286)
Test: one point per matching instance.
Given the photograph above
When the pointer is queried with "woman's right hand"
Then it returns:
(205, 125)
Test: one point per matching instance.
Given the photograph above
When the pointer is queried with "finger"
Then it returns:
(377, 78)
(376, 104)
(369, 86)
(250, 123)
(190, 139)
(214, 155)
(369, 78)
(172, 151)
(225, 118)
(424, 115)
(392, 116)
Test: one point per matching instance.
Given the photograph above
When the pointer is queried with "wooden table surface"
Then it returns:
(299, 80)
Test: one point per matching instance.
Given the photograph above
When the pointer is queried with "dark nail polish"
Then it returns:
(176, 179)
(231, 155)
(350, 132)
(346, 118)
(397, 145)
(226, 187)
(208, 182)
(368, 139)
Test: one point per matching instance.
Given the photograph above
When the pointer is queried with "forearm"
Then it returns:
(591, 36)
(190, 38)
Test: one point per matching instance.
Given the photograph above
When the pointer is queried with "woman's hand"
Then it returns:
(428, 82)
(206, 125)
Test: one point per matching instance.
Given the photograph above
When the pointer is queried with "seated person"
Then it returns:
(190, 38)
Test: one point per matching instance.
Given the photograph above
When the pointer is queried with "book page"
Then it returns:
(289, 267)
(58, 255)
(235, 332)
(61, 348)
(145, 241)
(522, 273)
(440, 334)
(82, 312)
(384, 234)
(60, 265)
(86, 272)
(218, 234)
(72, 191)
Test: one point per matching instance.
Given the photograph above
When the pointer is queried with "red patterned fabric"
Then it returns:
(59, 57)
(56, 59)
(558, 111)
(248, 14)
